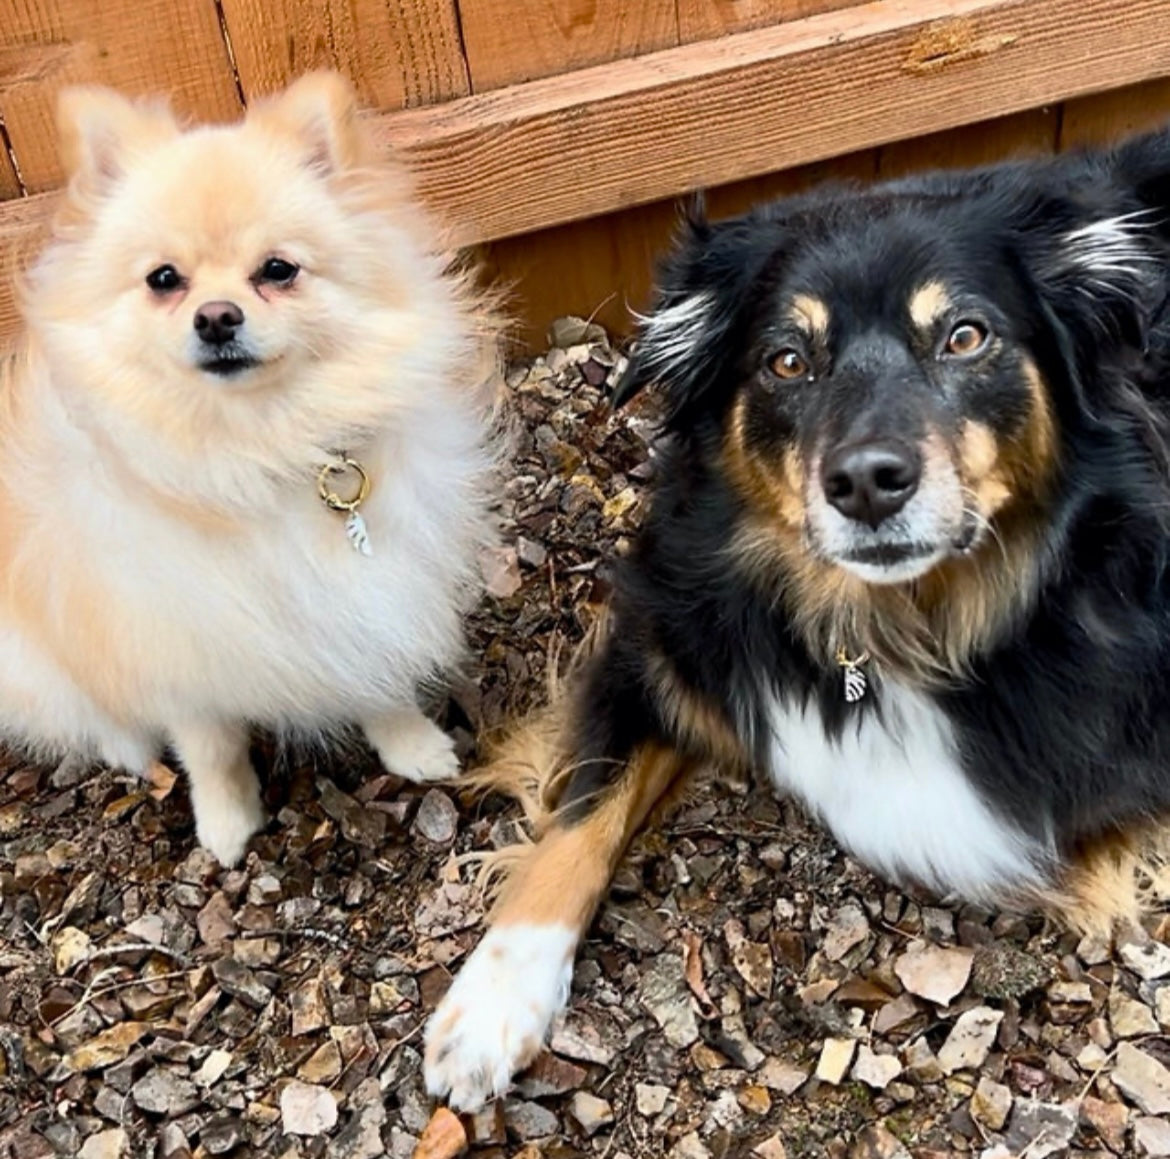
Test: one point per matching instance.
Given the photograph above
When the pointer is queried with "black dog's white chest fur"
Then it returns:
(892, 790)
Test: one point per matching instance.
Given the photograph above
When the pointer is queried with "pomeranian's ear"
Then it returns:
(99, 129)
(320, 110)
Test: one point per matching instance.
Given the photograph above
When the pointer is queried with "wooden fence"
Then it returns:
(556, 134)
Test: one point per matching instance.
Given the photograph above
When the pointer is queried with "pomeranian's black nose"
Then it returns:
(871, 481)
(216, 323)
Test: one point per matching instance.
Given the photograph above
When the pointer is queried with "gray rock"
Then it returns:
(237, 980)
(936, 973)
(530, 1120)
(650, 1098)
(664, 994)
(104, 1145)
(875, 1070)
(437, 820)
(307, 1110)
(165, 1092)
(848, 928)
(1142, 1079)
(221, 1134)
(1146, 958)
(362, 826)
(361, 1137)
(1042, 1129)
(590, 1112)
(531, 553)
(970, 1040)
(1151, 1136)
(1128, 1017)
(690, 1147)
(990, 1104)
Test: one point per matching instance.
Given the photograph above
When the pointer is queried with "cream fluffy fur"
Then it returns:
(170, 573)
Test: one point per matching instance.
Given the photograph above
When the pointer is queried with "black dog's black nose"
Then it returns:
(217, 322)
(871, 481)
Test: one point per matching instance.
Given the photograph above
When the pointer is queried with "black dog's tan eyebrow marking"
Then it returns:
(928, 304)
(811, 315)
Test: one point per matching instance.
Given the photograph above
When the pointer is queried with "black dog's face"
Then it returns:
(871, 371)
(888, 405)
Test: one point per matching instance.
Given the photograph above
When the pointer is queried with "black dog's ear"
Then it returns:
(1108, 234)
(1099, 257)
(678, 313)
(686, 340)
(1142, 165)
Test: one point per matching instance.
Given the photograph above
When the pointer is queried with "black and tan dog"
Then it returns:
(908, 556)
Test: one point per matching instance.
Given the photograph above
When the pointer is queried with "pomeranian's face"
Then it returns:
(218, 264)
(200, 274)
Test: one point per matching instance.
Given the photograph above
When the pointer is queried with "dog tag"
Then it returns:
(855, 685)
(356, 530)
(359, 536)
(854, 681)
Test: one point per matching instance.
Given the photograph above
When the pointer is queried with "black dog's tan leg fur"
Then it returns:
(497, 1013)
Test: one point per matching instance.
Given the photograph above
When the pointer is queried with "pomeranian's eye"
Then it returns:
(277, 271)
(788, 364)
(164, 279)
(966, 339)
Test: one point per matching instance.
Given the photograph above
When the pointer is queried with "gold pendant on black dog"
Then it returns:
(856, 683)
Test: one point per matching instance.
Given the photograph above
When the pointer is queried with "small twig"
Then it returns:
(311, 932)
(125, 984)
(135, 948)
(391, 1050)
(1095, 1076)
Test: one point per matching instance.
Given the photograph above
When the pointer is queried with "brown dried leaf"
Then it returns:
(693, 971)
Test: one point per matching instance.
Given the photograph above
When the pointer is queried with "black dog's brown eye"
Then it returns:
(277, 271)
(164, 280)
(789, 363)
(967, 338)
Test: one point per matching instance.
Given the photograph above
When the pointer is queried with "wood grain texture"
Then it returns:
(635, 131)
(22, 228)
(605, 266)
(138, 46)
(1098, 119)
(509, 41)
(1029, 134)
(398, 53)
(704, 19)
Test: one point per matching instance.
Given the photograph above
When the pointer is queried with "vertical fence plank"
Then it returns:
(397, 52)
(1029, 134)
(605, 265)
(173, 47)
(1106, 117)
(508, 41)
(704, 19)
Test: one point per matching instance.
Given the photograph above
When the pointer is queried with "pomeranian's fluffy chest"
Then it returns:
(269, 613)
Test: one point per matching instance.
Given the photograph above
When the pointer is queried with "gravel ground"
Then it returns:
(747, 989)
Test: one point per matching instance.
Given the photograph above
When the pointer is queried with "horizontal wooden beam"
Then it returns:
(604, 138)
(599, 139)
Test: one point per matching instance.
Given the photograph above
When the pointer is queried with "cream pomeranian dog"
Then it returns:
(244, 453)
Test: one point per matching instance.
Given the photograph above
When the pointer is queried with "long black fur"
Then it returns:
(1062, 719)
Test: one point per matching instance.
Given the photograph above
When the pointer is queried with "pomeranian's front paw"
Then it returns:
(224, 827)
(413, 747)
(494, 1019)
